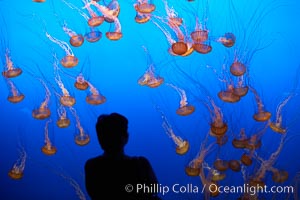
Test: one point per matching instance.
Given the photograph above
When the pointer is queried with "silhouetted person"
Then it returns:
(108, 175)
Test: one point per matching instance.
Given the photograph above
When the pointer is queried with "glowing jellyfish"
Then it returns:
(82, 138)
(196, 165)
(254, 142)
(95, 98)
(48, 149)
(114, 8)
(277, 125)
(184, 108)
(69, 60)
(182, 146)
(261, 115)
(221, 165)
(15, 96)
(65, 99)
(228, 95)
(93, 36)
(214, 174)
(62, 121)
(94, 20)
(144, 6)
(149, 78)
(81, 83)
(39, 1)
(172, 16)
(228, 39)
(43, 111)
(234, 165)
(280, 176)
(142, 18)
(237, 68)
(241, 141)
(246, 159)
(10, 70)
(217, 127)
(76, 40)
(200, 34)
(116, 33)
(17, 171)
(241, 89)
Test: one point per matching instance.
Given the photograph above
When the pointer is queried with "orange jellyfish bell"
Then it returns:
(113, 35)
(240, 143)
(81, 85)
(175, 21)
(228, 96)
(277, 128)
(202, 48)
(155, 82)
(16, 98)
(218, 130)
(95, 99)
(82, 140)
(192, 171)
(49, 150)
(280, 176)
(69, 61)
(145, 7)
(262, 116)
(10, 73)
(235, 165)
(179, 48)
(228, 40)
(141, 18)
(240, 91)
(221, 165)
(93, 36)
(41, 113)
(15, 174)
(185, 110)
(39, 1)
(95, 21)
(67, 101)
(63, 123)
(218, 177)
(237, 68)
(181, 150)
(199, 36)
(246, 159)
(76, 40)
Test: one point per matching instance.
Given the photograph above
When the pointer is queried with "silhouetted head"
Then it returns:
(112, 132)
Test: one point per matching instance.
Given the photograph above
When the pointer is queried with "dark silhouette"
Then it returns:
(108, 176)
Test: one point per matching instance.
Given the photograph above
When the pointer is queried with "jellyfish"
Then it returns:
(116, 33)
(62, 121)
(149, 78)
(234, 165)
(76, 40)
(228, 39)
(65, 99)
(82, 138)
(217, 127)
(261, 115)
(184, 108)
(182, 146)
(94, 20)
(237, 68)
(81, 83)
(279, 176)
(246, 159)
(277, 125)
(114, 8)
(69, 60)
(43, 111)
(144, 6)
(93, 36)
(195, 166)
(228, 95)
(241, 141)
(221, 165)
(39, 1)
(10, 70)
(141, 17)
(15, 96)
(17, 171)
(172, 16)
(48, 149)
(240, 89)
(215, 174)
(199, 37)
(95, 98)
